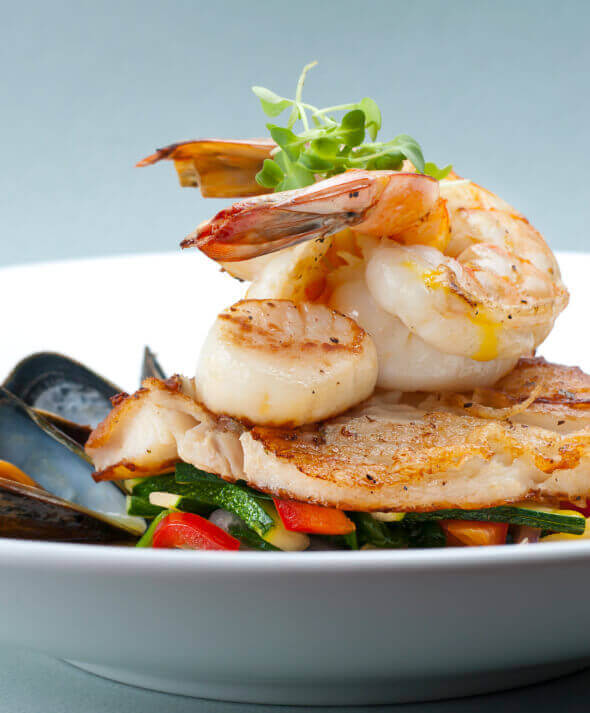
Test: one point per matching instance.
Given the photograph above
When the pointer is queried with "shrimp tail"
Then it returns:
(229, 238)
(268, 223)
(219, 167)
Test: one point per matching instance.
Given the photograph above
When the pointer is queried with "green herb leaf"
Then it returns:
(391, 161)
(295, 175)
(351, 540)
(345, 542)
(315, 163)
(287, 140)
(431, 169)
(294, 116)
(430, 534)
(328, 147)
(299, 177)
(352, 128)
(411, 150)
(271, 175)
(272, 104)
(378, 534)
(372, 116)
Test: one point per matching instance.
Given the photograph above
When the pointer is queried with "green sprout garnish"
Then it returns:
(326, 147)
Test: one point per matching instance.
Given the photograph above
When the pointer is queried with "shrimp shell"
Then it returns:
(220, 168)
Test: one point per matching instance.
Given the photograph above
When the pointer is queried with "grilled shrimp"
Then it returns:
(374, 202)
(406, 361)
(276, 363)
(454, 286)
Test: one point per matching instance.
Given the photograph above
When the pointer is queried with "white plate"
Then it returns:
(309, 628)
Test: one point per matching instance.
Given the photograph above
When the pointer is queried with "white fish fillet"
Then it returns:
(394, 452)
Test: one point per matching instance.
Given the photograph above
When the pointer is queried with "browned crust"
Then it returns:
(312, 453)
(125, 469)
(563, 391)
(563, 385)
(240, 324)
(403, 455)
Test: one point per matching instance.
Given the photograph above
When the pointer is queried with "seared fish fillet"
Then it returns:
(394, 452)
(148, 432)
(563, 400)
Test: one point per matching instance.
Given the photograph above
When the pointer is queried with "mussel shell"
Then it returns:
(79, 433)
(55, 384)
(151, 366)
(34, 514)
(56, 463)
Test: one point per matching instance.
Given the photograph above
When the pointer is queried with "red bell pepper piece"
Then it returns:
(185, 530)
(313, 519)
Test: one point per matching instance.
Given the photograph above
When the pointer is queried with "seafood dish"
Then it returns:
(378, 386)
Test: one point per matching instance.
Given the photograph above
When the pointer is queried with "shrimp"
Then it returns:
(276, 363)
(407, 362)
(453, 283)
(374, 202)
(494, 293)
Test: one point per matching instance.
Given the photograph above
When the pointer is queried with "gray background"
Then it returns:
(500, 89)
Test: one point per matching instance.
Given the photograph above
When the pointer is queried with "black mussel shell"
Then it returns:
(34, 514)
(151, 366)
(55, 384)
(57, 464)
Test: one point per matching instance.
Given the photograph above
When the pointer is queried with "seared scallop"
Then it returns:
(273, 362)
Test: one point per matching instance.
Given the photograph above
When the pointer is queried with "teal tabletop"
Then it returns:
(33, 683)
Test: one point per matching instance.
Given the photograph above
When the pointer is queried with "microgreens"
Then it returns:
(326, 147)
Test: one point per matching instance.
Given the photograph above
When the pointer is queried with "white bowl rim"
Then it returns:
(87, 558)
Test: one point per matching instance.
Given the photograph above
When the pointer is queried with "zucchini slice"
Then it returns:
(250, 539)
(568, 521)
(148, 536)
(563, 536)
(141, 507)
